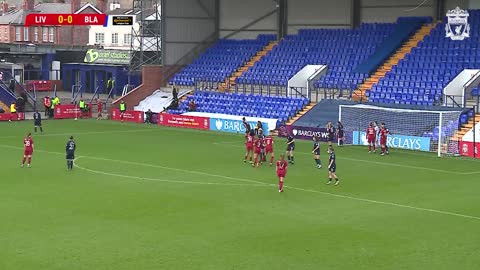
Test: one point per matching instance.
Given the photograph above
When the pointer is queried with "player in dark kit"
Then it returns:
(290, 149)
(37, 120)
(28, 149)
(340, 134)
(316, 152)
(281, 172)
(70, 150)
(332, 167)
(247, 127)
(330, 133)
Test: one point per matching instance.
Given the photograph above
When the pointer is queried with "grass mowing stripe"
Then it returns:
(265, 184)
(375, 162)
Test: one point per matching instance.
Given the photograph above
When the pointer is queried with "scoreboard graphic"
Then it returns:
(75, 19)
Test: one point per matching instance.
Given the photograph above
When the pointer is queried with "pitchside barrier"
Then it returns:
(12, 116)
(422, 130)
(128, 116)
(70, 111)
(233, 123)
(470, 144)
(184, 121)
(303, 133)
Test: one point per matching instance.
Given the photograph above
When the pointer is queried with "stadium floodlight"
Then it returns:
(412, 129)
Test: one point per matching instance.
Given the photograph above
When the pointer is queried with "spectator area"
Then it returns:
(280, 108)
(423, 74)
(221, 60)
(341, 49)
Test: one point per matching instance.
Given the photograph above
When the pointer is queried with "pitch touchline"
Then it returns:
(376, 162)
(84, 133)
(262, 183)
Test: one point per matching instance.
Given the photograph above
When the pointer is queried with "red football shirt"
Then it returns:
(28, 143)
(100, 106)
(282, 166)
(249, 140)
(258, 143)
(269, 142)
(383, 133)
(370, 132)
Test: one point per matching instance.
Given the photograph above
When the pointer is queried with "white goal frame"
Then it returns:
(443, 142)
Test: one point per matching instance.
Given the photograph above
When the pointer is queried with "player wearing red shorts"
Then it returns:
(268, 142)
(28, 149)
(249, 139)
(383, 138)
(282, 165)
(258, 144)
(371, 137)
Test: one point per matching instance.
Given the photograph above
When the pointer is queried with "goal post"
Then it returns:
(421, 130)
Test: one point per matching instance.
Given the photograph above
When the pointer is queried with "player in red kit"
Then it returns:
(268, 142)
(383, 138)
(28, 149)
(371, 137)
(282, 165)
(258, 143)
(249, 139)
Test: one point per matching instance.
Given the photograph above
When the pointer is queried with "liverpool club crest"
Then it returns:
(457, 27)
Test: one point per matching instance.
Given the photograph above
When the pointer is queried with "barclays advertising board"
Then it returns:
(236, 126)
(397, 141)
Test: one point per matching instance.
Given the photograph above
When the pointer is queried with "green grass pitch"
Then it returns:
(145, 197)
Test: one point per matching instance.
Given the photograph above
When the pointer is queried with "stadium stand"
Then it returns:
(422, 75)
(340, 49)
(251, 105)
(221, 60)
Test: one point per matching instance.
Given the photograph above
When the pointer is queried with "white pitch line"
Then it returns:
(151, 165)
(291, 187)
(83, 133)
(377, 162)
(168, 180)
(386, 203)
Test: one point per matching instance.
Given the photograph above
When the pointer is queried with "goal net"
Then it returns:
(421, 130)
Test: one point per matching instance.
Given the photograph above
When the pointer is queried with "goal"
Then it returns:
(421, 130)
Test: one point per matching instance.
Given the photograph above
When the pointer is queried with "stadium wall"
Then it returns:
(318, 14)
(473, 4)
(235, 14)
(389, 10)
(187, 24)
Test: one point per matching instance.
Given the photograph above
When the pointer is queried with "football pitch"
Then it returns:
(146, 197)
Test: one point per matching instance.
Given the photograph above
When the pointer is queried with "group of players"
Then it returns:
(258, 147)
(371, 135)
(28, 145)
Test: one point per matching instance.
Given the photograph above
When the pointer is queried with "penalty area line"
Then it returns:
(385, 203)
(165, 180)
